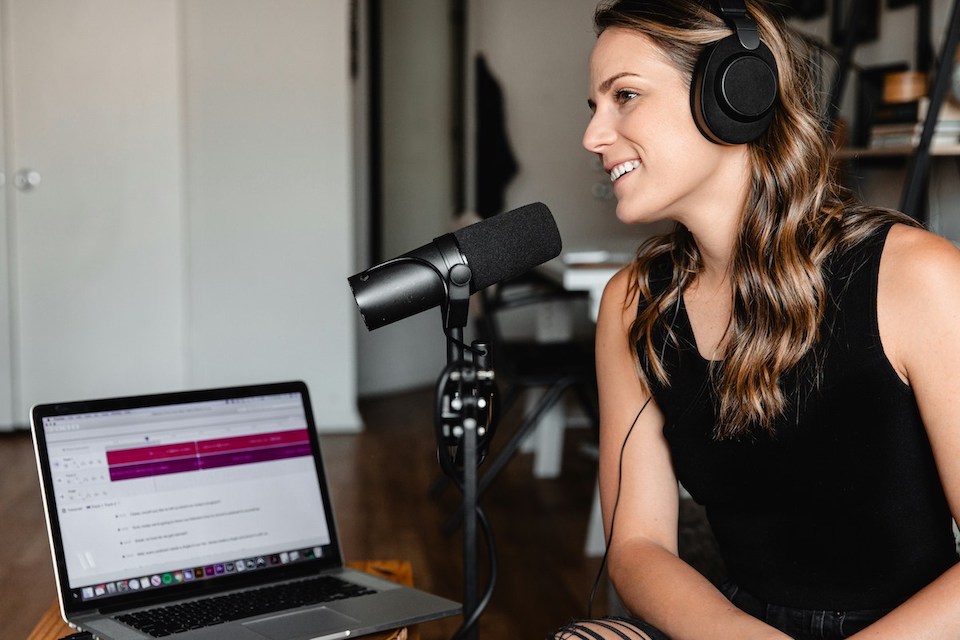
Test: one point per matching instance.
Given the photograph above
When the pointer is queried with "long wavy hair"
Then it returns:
(795, 216)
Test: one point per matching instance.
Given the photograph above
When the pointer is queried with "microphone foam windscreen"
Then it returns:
(509, 244)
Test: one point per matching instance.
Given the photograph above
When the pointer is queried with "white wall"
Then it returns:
(540, 56)
(418, 179)
(270, 198)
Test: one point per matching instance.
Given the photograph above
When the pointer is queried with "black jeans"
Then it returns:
(799, 624)
(803, 624)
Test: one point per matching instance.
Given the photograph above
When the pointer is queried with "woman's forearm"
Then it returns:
(932, 614)
(657, 586)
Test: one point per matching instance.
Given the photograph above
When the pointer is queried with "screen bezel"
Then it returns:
(70, 601)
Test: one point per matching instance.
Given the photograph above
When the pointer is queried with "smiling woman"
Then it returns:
(765, 353)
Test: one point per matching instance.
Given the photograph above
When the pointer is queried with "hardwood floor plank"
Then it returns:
(26, 573)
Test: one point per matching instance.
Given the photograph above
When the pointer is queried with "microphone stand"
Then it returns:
(464, 422)
(468, 461)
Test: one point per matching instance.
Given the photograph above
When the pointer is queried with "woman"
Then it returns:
(792, 358)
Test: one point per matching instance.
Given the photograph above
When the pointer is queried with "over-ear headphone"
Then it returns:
(734, 86)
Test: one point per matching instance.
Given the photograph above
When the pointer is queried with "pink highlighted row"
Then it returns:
(205, 447)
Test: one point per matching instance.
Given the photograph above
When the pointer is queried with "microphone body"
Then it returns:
(490, 251)
(403, 287)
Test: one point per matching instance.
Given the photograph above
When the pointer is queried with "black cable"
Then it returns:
(616, 503)
(460, 343)
(468, 625)
(623, 446)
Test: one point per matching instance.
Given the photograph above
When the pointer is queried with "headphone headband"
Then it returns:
(734, 13)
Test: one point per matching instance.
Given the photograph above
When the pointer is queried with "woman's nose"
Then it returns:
(598, 135)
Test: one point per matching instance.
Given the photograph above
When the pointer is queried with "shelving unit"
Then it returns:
(917, 172)
(852, 153)
(918, 156)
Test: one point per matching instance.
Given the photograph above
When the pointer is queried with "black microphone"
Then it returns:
(456, 264)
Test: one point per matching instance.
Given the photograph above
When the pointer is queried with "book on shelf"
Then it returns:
(880, 141)
(897, 133)
(892, 135)
(913, 111)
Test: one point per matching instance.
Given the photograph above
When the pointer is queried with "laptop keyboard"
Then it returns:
(168, 620)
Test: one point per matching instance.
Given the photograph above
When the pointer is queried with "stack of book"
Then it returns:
(901, 124)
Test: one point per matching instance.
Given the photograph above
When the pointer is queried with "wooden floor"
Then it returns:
(380, 480)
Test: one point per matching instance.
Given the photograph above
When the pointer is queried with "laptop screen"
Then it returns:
(182, 491)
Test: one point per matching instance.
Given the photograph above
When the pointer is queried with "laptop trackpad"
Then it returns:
(312, 623)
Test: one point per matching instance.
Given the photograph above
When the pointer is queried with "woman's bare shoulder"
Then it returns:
(918, 297)
(917, 263)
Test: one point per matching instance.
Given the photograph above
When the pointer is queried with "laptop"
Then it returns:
(161, 507)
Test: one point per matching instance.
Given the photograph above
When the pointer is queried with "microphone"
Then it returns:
(456, 265)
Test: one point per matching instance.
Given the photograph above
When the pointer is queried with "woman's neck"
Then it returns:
(715, 242)
(716, 219)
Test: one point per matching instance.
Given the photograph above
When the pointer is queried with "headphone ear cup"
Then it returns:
(733, 91)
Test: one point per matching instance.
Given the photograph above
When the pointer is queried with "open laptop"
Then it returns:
(178, 499)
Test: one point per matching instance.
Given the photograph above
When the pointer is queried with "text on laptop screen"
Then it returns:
(156, 496)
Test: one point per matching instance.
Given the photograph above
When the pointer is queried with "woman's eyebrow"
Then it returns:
(606, 84)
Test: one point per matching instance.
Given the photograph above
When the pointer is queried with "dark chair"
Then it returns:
(523, 364)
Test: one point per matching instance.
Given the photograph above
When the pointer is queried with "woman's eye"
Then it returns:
(624, 95)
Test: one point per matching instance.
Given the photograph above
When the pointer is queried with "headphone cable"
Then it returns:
(616, 503)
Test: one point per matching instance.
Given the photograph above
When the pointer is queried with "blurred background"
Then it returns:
(187, 184)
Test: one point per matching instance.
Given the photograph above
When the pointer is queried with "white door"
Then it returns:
(93, 108)
(6, 372)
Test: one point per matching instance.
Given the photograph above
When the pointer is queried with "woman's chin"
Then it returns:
(632, 214)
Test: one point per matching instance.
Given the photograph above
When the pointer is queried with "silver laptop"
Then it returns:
(163, 508)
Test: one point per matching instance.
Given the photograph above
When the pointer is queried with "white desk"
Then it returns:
(585, 276)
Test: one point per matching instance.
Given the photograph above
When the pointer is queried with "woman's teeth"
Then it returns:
(625, 167)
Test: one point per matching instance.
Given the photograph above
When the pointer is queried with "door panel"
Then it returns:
(98, 266)
(6, 371)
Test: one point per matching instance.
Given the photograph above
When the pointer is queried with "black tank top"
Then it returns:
(842, 508)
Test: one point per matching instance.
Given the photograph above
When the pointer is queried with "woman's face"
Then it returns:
(644, 134)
